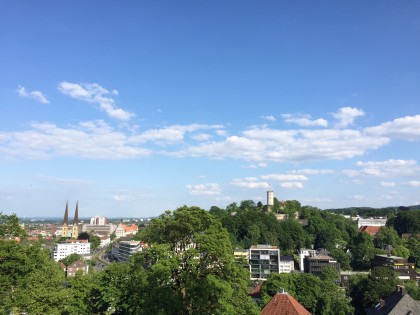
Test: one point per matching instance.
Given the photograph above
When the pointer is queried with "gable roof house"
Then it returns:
(284, 304)
(398, 303)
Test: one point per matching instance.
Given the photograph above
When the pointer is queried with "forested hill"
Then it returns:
(367, 211)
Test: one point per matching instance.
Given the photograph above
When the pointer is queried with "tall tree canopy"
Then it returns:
(189, 268)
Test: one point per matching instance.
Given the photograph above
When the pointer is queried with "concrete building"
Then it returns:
(263, 260)
(400, 265)
(304, 252)
(128, 248)
(287, 264)
(379, 221)
(316, 264)
(62, 250)
(123, 230)
(98, 220)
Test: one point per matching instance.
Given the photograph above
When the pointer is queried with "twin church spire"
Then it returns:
(70, 230)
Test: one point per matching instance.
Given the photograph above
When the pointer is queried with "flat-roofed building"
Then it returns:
(128, 249)
(263, 261)
(287, 264)
(62, 250)
(401, 266)
(316, 264)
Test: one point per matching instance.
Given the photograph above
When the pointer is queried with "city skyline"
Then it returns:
(137, 108)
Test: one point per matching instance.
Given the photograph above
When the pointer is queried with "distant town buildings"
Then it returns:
(62, 250)
(123, 250)
(71, 269)
(123, 230)
(98, 220)
(379, 221)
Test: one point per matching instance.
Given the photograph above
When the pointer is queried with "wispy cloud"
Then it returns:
(269, 118)
(413, 183)
(388, 168)
(304, 120)
(208, 189)
(258, 165)
(312, 171)
(347, 115)
(250, 182)
(35, 95)
(298, 185)
(284, 177)
(93, 93)
(387, 184)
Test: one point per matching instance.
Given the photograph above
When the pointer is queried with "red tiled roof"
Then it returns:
(284, 304)
(371, 230)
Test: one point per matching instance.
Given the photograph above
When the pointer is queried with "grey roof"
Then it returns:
(397, 303)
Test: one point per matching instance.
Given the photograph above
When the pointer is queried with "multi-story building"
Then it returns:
(62, 250)
(128, 248)
(71, 270)
(98, 220)
(304, 252)
(287, 264)
(316, 264)
(400, 265)
(263, 260)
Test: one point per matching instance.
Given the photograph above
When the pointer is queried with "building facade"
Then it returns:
(128, 249)
(404, 269)
(62, 250)
(263, 261)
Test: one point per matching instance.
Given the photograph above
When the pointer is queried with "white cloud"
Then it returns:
(284, 177)
(312, 171)
(250, 182)
(269, 118)
(346, 116)
(258, 165)
(405, 128)
(413, 183)
(122, 198)
(387, 184)
(171, 134)
(298, 185)
(93, 93)
(35, 95)
(201, 137)
(208, 189)
(305, 120)
(388, 168)
(92, 140)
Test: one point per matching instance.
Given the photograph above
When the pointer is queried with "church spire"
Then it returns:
(76, 214)
(66, 214)
(75, 227)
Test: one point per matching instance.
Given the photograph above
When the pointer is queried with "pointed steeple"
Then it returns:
(65, 227)
(75, 227)
(76, 214)
(66, 214)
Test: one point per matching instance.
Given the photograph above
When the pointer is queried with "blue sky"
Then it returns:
(137, 107)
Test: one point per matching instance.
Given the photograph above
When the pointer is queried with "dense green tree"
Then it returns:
(388, 236)
(366, 291)
(292, 207)
(407, 222)
(218, 212)
(362, 251)
(413, 245)
(342, 258)
(30, 281)
(71, 259)
(190, 263)
(291, 235)
(9, 226)
(94, 240)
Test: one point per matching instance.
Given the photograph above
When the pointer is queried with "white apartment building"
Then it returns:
(62, 250)
(286, 264)
(263, 260)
